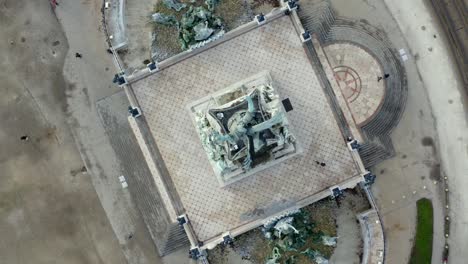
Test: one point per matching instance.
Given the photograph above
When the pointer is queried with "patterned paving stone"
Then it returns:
(357, 73)
(164, 97)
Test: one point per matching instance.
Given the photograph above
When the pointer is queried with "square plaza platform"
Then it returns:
(263, 141)
(325, 160)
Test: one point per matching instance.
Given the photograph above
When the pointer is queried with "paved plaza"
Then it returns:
(325, 161)
(357, 73)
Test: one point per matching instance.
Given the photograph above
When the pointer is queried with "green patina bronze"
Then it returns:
(244, 128)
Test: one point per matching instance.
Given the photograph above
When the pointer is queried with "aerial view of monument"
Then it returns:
(233, 131)
(243, 128)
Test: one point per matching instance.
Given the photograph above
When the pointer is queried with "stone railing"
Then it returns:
(374, 227)
(372, 235)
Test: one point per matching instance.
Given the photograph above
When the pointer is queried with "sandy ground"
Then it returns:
(49, 210)
(89, 79)
(438, 72)
(139, 32)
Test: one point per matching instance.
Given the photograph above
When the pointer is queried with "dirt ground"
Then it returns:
(147, 40)
(331, 217)
(90, 79)
(49, 210)
(138, 31)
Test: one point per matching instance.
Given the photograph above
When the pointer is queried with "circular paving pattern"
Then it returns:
(349, 81)
(357, 73)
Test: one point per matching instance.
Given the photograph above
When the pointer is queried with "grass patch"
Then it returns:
(422, 247)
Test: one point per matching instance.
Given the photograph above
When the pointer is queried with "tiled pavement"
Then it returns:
(165, 95)
(379, 147)
(357, 71)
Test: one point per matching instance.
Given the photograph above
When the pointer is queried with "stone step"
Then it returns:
(318, 17)
(176, 239)
(396, 91)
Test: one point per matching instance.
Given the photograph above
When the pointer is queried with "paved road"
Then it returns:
(448, 101)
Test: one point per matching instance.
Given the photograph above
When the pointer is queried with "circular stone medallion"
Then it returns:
(349, 82)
